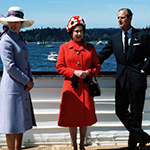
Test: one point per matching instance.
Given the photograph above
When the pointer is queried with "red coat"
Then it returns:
(77, 108)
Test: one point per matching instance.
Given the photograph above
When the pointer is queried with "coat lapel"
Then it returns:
(119, 39)
(120, 45)
(119, 42)
(133, 39)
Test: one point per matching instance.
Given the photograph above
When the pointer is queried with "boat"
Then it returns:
(52, 56)
(41, 43)
(49, 46)
(101, 42)
(38, 43)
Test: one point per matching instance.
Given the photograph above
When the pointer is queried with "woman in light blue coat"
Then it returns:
(16, 112)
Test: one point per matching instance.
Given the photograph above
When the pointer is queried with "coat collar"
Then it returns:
(14, 36)
(74, 45)
(134, 31)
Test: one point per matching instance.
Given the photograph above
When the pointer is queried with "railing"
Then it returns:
(110, 73)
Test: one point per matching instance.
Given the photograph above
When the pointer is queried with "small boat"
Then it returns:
(49, 46)
(101, 42)
(52, 56)
(41, 43)
(38, 43)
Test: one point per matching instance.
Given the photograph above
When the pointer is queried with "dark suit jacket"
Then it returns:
(129, 69)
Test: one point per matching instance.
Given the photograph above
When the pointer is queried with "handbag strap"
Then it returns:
(94, 76)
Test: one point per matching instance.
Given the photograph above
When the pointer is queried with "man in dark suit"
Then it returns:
(131, 48)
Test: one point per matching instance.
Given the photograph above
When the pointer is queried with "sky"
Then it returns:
(96, 13)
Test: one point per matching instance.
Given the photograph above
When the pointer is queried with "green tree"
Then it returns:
(49, 38)
(37, 37)
(105, 37)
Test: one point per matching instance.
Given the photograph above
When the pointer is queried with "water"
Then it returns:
(38, 57)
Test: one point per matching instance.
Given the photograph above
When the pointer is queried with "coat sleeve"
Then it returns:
(7, 57)
(29, 71)
(105, 52)
(146, 44)
(61, 66)
(96, 67)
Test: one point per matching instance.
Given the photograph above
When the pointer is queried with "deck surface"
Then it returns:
(110, 147)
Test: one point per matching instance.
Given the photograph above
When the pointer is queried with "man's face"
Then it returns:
(123, 21)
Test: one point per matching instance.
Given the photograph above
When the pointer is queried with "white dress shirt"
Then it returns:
(129, 33)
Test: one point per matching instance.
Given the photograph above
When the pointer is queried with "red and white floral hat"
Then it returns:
(74, 21)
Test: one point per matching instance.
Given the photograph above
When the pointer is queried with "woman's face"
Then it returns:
(77, 33)
(15, 26)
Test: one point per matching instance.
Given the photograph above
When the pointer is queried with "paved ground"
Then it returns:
(112, 147)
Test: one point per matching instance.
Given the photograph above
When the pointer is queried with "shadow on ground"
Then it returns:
(123, 148)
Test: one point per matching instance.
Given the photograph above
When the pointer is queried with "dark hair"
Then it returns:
(4, 30)
(70, 33)
(129, 12)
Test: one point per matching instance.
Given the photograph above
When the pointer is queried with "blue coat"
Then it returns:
(16, 112)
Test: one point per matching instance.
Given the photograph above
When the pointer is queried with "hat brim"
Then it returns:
(26, 23)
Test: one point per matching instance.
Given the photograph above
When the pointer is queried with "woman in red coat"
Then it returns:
(75, 59)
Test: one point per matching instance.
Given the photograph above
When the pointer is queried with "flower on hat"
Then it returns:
(74, 21)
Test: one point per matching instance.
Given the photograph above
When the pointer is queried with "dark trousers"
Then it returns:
(129, 108)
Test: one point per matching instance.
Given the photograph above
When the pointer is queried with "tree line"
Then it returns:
(61, 35)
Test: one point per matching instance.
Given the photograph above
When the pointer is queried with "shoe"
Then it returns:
(81, 147)
(144, 142)
(132, 148)
(132, 144)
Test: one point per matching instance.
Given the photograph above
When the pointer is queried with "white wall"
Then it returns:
(46, 96)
